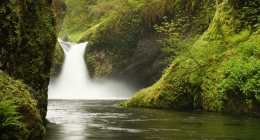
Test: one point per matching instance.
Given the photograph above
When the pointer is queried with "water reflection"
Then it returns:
(104, 120)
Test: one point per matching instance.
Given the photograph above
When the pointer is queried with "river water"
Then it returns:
(104, 120)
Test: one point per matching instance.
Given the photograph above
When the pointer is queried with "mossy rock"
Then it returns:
(20, 94)
(28, 38)
(58, 60)
(218, 73)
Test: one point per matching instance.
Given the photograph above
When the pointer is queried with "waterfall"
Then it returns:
(74, 81)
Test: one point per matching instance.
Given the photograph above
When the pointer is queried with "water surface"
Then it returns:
(104, 120)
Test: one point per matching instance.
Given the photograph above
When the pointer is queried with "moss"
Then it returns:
(188, 23)
(20, 95)
(58, 59)
(218, 73)
(10, 119)
(164, 93)
(60, 9)
(78, 19)
(28, 37)
(114, 27)
(226, 33)
(115, 38)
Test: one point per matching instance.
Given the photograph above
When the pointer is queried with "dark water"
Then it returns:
(104, 120)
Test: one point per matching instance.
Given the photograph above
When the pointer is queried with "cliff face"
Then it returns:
(147, 60)
(145, 65)
(28, 37)
(140, 61)
(126, 44)
(59, 7)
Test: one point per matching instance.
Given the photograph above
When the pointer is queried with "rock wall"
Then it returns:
(28, 37)
(145, 66)
(60, 8)
(126, 46)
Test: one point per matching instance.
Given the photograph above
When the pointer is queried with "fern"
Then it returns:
(238, 38)
(8, 115)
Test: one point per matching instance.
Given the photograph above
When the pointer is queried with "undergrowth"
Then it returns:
(19, 116)
(9, 117)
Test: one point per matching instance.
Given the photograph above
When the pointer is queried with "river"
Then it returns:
(104, 120)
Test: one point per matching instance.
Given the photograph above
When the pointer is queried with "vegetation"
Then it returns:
(9, 118)
(218, 73)
(27, 43)
(114, 27)
(58, 59)
(175, 42)
(212, 49)
(19, 116)
(28, 36)
(59, 8)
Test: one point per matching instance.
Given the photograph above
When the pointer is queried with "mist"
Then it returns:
(74, 81)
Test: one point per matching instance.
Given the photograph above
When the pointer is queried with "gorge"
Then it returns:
(200, 56)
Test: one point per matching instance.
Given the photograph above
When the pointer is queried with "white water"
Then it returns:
(74, 82)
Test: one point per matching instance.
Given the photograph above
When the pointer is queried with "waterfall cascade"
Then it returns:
(74, 82)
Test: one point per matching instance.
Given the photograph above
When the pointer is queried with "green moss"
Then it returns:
(28, 124)
(113, 27)
(58, 59)
(115, 38)
(28, 37)
(222, 33)
(218, 73)
(10, 119)
(81, 16)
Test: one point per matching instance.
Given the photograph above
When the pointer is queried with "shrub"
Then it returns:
(174, 42)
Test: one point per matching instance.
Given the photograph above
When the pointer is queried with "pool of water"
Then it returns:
(104, 120)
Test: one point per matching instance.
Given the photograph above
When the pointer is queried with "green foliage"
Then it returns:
(169, 92)
(242, 73)
(174, 44)
(242, 77)
(189, 20)
(220, 72)
(16, 95)
(27, 43)
(113, 27)
(82, 15)
(232, 85)
(9, 118)
(247, 15)
(113, 40)
(152, 9)
(238, 38)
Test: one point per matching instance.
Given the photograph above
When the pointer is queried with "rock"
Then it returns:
(19, 94)
(27, 44)
(65, 37)
(145, 64)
